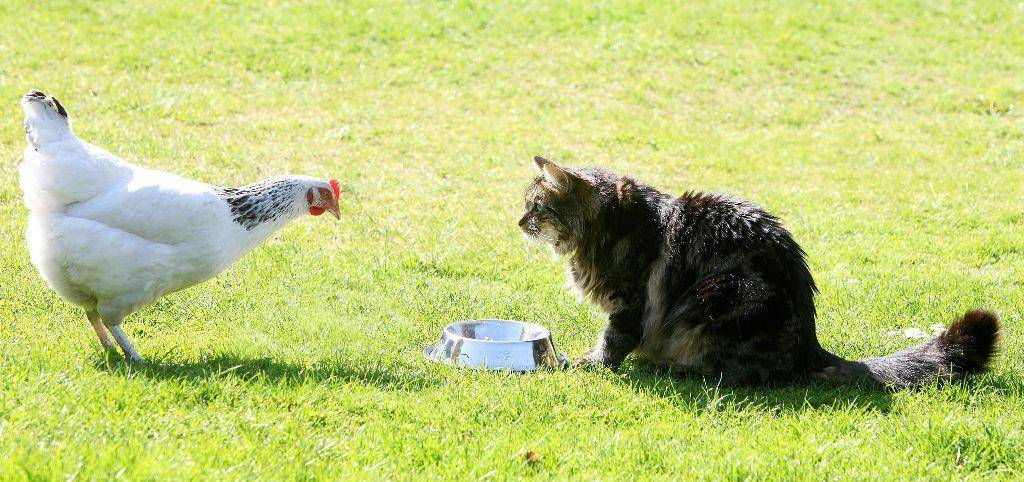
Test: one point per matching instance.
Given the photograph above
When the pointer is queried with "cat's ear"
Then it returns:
(554, 173)
(626, 190)
(540, 161)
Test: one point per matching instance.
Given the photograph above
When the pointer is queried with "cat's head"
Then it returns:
(562, 204)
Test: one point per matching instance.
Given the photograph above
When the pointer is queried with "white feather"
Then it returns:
(113, 237)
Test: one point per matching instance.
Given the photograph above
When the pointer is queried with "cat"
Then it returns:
(712, 285)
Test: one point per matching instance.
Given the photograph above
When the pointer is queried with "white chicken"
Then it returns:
(112, 237)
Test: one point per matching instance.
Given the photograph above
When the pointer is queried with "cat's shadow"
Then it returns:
(797, 395)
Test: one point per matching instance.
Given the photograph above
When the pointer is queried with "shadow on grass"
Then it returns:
(803, 394)
(271, 371)
(1003, 384)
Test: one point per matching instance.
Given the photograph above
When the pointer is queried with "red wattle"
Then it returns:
(315, 210)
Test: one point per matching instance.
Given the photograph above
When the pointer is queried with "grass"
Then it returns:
(887, 135)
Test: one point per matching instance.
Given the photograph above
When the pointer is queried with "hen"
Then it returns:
(112, 237)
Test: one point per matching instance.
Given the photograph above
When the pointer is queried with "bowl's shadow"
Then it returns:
(272, 371)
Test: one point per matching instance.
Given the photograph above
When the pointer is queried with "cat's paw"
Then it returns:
(586, 362)
(592, 358)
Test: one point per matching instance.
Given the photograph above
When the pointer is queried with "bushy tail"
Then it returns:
(964, 348)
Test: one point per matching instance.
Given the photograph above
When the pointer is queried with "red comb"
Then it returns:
(337, 188)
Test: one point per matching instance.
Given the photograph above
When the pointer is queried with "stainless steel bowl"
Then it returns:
(496, 345)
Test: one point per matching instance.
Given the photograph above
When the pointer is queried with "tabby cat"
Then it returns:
(712, 285)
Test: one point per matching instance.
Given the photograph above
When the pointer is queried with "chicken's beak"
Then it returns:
(334, 209)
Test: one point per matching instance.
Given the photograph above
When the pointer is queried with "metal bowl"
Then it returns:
(496, 345)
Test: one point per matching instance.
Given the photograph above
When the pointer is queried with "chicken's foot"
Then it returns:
(126, 344)
(101, 332)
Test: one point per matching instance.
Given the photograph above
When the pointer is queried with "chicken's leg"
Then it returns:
(122, 339)
(97, 324)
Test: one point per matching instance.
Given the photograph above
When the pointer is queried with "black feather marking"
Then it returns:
(261, 202)
(60, 108)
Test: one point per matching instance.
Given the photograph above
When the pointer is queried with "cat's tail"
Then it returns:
(964, 348)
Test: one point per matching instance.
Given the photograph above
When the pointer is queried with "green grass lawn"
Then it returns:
(888, 136)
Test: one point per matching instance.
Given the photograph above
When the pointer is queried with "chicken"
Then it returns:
(113, 237)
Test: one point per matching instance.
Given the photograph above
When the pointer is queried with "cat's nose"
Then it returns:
(522, 222)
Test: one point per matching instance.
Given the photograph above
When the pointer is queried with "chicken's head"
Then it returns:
(324, 198)
(46, 120)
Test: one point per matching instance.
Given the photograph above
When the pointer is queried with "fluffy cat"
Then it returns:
(712, 285)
